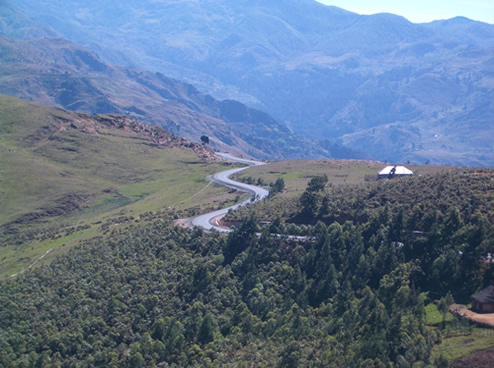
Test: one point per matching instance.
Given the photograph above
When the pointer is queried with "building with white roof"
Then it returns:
(392, 171)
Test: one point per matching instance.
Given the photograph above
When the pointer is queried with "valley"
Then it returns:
(396, 90)
(195, 184)
(61, 74)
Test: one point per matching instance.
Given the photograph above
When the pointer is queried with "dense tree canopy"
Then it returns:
(351, 295)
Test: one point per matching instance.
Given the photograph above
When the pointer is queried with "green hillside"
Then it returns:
(363, 293)
(67, 176)
(442, 219)
(368, 284)
(344, 176)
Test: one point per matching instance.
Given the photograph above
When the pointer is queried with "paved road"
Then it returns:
(207, 221)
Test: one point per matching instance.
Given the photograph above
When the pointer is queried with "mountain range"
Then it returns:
(56, 72)
(397, 90)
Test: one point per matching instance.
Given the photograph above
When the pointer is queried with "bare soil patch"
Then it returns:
(183, 222)
(463, 311)
(479, 359)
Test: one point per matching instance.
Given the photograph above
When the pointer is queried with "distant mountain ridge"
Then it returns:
(400, 91)
(57, 72)
(14, 23)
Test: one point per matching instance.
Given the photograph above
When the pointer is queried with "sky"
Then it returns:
(421, 11)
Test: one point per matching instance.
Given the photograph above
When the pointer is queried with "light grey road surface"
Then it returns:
(207, 221)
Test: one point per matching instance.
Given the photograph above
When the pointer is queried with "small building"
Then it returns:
(417, 234)
(483, 301)
(394, 171)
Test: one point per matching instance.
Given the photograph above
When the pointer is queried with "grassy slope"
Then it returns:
(297, 173)
(99, 187)
(65, 177)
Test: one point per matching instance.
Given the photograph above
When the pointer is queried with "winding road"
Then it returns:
(208, 221)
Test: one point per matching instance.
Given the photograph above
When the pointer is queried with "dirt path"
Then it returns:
(32, 264)
(463, 311)
(182, 222)
(192, 196)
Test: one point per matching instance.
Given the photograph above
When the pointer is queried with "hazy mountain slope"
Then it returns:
(16, 24)
(57, 72)
(323, 71)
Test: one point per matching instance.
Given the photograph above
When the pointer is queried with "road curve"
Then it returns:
(206, 221)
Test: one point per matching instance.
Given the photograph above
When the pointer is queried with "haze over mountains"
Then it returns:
(398, 91)
(56, 72)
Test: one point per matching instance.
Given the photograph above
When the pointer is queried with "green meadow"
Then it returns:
(297, 173)
(64, 178)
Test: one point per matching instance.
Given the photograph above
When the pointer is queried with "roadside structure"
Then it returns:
(394, 171)
(483, 301)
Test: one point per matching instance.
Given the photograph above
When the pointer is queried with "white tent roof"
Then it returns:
(399, 170)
